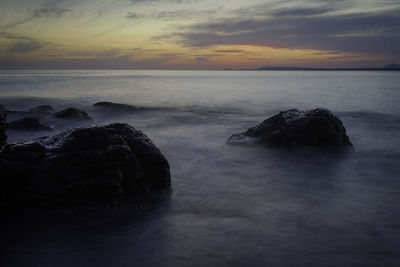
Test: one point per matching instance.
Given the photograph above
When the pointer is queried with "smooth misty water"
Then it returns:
(230, 205)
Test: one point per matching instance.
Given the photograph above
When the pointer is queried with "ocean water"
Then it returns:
(230, 205)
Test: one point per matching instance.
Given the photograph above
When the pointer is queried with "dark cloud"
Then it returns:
(137, 58)
(174, 15)
(373, 33)
(22, 44)
(229, 51)
(23, 47)
(326, 53)
(309, 7)
(105, 54)
(18, 22)
(51, 12)
(56, 3)
(40, 13)
(300, 12)
(162, 1)
(12, 36)
(132, 15)
(184, 14)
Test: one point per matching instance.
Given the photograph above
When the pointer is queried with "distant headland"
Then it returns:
(391, 67)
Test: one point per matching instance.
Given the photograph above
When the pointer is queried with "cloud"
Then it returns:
(23, 47)
(53, 12)
(360, 27)
(132, 15)
(300, 12)
(103, 54)
(18, 22)
(200, 59)
(133, 2)
(181, 14)
(12, 36)
(229, 51)
(50, 12)
(294, 8)
(22, 44)
(298, 28)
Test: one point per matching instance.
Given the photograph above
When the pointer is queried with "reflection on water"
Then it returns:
(230, 205)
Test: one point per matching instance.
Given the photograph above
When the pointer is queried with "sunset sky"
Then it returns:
(198, 34)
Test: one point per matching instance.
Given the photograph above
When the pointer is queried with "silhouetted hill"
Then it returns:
(390, 67)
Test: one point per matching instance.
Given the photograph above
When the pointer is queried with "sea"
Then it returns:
(229, 205)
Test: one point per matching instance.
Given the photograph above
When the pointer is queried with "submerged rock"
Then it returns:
(118, 107)
(317, 128)
(28, 124)
(42, 109)
(72, 113)
(82, 165)
(3, 126)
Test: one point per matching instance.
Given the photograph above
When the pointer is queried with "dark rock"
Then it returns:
(3, 126)
(28, 124)
(82, 165)
(42, 109)
(317, 128)
(72, 113)
(118, 107)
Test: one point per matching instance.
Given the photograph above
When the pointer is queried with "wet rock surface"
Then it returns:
(81, 165)
(115, 107)
(73, 114)
(3, 125)
(315, 128)
(47, 109)
(28, 124)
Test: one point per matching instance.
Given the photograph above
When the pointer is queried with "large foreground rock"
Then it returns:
(3, 126)
(317, 128)
(93, 164)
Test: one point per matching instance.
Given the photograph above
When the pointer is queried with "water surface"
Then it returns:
(230, 205)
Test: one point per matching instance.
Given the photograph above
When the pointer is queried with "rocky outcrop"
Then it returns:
(28, 124)
(3, 126)
(82, 165)
(116, 107)
(317, 128)
(73, 114)
(47, 109)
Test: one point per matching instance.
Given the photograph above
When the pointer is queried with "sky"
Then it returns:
(198, 34)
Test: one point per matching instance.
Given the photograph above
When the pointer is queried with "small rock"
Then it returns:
(42, 109)
(317, 128)
(72, 113)
(118, 107)
(28, 124)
